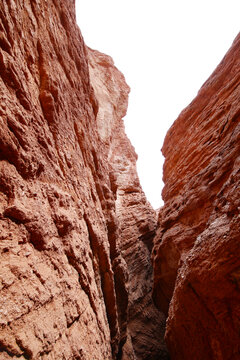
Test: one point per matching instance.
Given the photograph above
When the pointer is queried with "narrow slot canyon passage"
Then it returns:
(89, 270)
(165, 54)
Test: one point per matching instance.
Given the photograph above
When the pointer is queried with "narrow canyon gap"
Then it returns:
(76, 231)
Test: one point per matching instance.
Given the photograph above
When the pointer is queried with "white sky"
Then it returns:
(166, 49)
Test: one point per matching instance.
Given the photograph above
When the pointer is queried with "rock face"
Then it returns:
(76, 229)
(197, 246)
(141, 324)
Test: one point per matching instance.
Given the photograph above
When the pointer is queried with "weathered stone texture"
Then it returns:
(71, 207)
(140, 322)
(197, 246)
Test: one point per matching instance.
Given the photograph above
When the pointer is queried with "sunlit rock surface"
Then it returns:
(76, 229)
(197, 246)
(140, 322)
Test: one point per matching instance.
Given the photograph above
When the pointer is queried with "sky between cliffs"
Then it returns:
(166, 50)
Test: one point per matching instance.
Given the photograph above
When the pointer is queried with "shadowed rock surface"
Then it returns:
(141, 324)
(197, 246)
(76, 229)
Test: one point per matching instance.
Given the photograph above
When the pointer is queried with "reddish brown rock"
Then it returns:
(68, 193)
(141, 324)
(196, 252)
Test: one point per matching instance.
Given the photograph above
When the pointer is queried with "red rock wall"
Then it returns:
(141, 324)
(75, 225)
(197, 246)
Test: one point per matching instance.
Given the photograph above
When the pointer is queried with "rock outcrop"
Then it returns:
(197, 246)
(141, 324)
(76, 229)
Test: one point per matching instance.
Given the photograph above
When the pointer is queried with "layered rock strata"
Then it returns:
(197, 246)
(141, 324)
(76, 229)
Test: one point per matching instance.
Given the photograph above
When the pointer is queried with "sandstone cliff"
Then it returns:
(141, 323)
(76, 229)
(197, 246)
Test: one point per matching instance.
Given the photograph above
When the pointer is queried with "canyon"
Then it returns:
(89, 270)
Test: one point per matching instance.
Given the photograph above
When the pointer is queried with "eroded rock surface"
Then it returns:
(76, 229)
(197, 246)
(141, 324)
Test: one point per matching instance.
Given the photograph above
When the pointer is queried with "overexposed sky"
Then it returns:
(166, 49)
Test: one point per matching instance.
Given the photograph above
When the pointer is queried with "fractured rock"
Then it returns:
(68, 193)
(196, 249)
